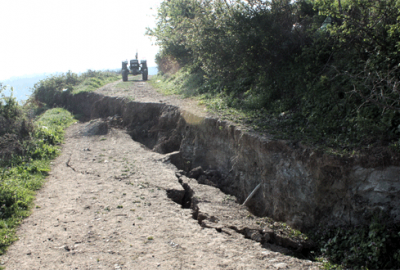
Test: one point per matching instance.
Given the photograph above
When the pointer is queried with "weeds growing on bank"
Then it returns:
(92, 80)
(54, 89)
(26, 149)
(324, 132)
(322, 72)
(373, 246)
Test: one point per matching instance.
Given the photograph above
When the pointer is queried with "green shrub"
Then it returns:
(50, 90)
(332, 70)
(15, 129)
(374, 246)
(53, 90)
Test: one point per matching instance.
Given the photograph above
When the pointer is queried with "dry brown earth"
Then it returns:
(105, 206)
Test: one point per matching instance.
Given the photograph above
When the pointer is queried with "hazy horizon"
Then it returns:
(23, 85)
(46, 36)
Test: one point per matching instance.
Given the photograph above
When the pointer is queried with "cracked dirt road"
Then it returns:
(105, 206)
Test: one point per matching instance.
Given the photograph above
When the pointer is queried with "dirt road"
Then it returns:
(141, 91)
(107, 205)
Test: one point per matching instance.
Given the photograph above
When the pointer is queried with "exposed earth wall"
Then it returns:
(297, 185)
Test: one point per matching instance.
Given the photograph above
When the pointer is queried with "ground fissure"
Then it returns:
(298, 185)
(230, 217)
(112, 211)
(155, 168)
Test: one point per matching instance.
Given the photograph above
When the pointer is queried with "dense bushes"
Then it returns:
(54, 89)
(15, 128)
(332, 67)
(373, 246)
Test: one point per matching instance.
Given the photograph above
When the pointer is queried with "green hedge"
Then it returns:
(332, 69)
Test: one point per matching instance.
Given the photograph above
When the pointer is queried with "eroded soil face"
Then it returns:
(111, 203)
(105, 206)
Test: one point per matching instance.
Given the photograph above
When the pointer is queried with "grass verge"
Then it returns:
(23, 176)
(90, 84)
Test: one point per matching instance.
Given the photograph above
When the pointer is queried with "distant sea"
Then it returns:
(23, 85)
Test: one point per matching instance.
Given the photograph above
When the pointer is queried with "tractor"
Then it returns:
(135, 68)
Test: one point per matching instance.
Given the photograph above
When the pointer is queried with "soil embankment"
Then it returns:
(298, 185)
(111, 203)
(164, 199)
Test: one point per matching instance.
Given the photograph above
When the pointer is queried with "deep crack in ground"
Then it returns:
(118, 214)
(258, 231)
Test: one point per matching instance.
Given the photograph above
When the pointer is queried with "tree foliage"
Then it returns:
(333, 65)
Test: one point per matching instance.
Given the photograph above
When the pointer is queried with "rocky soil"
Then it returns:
(111, 203)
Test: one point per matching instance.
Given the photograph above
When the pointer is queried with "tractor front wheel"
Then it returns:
(145, 75)
(124, 76)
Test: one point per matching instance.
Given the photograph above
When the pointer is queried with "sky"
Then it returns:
(56, 36)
